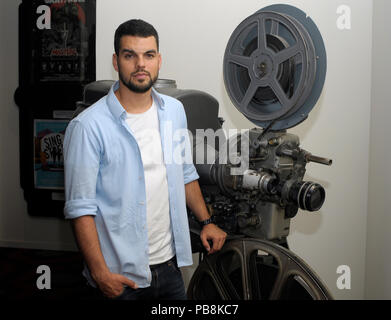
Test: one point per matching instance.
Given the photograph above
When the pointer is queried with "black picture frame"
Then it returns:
(58, 40)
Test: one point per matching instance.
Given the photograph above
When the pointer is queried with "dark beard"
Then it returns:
(137, 88)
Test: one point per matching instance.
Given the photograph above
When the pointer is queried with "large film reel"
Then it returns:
(275, 67)
(251, 269)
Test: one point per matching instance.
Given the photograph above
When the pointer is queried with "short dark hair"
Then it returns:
(137, 28)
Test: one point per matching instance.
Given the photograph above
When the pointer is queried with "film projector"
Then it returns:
(274, 71)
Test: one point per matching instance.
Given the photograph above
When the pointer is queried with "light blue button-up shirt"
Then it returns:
(104, 177)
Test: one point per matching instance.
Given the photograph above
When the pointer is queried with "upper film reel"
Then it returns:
(275, 67)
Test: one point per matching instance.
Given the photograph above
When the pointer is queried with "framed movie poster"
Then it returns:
(48, 153)
(62, 40)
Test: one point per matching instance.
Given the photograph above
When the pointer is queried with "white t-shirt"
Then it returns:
(145, 128)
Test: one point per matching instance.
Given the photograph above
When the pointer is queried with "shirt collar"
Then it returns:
(118, 110)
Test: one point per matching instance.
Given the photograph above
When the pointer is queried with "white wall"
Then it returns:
(378, 271)
(193, 39)
(339, 129)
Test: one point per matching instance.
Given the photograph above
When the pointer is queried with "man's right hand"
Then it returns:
(113, 285)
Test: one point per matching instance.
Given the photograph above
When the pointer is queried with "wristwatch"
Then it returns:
(205, 222)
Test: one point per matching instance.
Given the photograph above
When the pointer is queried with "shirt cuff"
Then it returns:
(82, 207)
(189, 177)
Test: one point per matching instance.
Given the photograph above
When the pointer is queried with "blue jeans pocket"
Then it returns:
(173, 264)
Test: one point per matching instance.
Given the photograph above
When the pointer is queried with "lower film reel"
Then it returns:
(275, 67)
(250, 269)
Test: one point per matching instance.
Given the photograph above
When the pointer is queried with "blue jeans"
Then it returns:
(167, 284)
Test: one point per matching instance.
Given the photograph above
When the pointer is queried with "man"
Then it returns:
(126, 202)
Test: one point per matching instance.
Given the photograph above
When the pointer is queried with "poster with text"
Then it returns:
(64, 44)
(48, 153)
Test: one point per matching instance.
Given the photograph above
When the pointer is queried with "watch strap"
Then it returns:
(205, 222)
